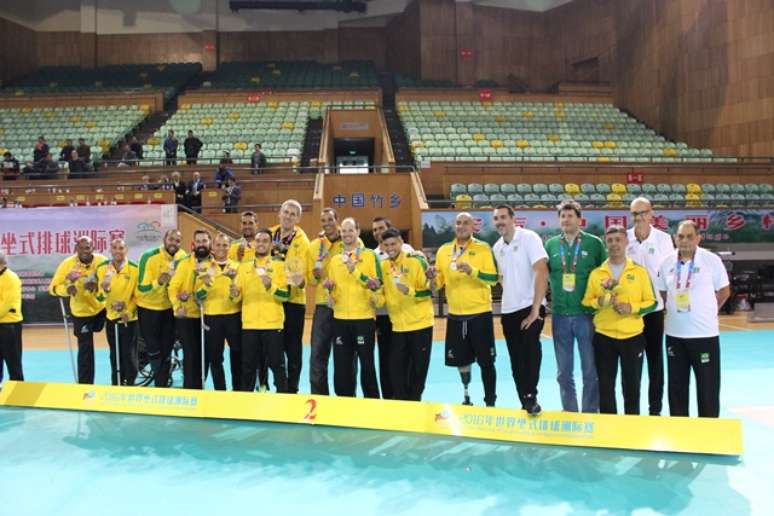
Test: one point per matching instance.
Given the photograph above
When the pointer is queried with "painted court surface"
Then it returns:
(54, 462)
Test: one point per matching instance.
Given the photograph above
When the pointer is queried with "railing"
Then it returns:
(621, 161)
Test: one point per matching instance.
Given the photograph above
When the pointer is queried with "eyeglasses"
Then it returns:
(640, 213)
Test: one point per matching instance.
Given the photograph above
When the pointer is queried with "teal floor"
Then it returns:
(54, 462)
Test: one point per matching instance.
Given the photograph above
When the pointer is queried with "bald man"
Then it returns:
(76, 279)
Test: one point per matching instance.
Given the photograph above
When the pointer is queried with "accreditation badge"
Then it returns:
(568, 282)
(683, 301)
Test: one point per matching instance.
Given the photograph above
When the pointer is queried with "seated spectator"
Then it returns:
(45, 168)
(257, 160)
(79, 169)
(136, 147)
(231, 195)
(226, 159)
(10, 166)
(164, 183)
(181, 190)
(84, 151)
(222, 174)
(67, 151)
(145, 184)
(195, 188)
(40, 150)
(192, 145)
(128, 157)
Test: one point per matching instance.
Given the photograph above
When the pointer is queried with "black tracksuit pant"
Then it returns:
(268, 344)
(189, 330)
(11, 350)
(157, 328)
(293, 330)
(703, 356)
(127, 347)
(223, 328)
(525, 352)
(384, 344)
(84, 329)
(409, 362)
(354, 338)
(607, 354)
(654, 354)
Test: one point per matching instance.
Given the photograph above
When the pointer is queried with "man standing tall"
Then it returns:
(10, 322)
(522, 263)
(572, 256)
(467, 269)
(649, 247)
(694, 284)
(76, 278)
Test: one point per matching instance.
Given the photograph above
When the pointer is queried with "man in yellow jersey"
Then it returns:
(154, 309)
(117, 279)
(355, 286)
(243, 249)
(10, 322)
(621, 293)
(290, 245)
(76, 278)
(186, 290)
(261, 286)
(467, 269)
(221, 315)
(410, 307)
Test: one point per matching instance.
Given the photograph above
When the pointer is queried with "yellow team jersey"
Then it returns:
(261, 307)
(217, 297)
(294, 258)
(321, 250)
(188, 280)
(467, 294)
(150, 294)
(413, 310)
(633, 287)
(83, 303)
(10, 297)
(249, 252)
(351, 294)
(123, 287)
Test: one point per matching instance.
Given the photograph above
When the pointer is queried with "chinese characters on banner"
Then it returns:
(361, 200)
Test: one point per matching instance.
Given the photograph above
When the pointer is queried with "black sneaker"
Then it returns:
(534, 409)
(467, 401)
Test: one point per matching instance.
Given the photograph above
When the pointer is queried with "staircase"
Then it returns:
(311, 142)
(400, 146)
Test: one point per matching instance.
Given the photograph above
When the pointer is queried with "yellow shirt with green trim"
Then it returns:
(188, 279)
(10, 297)
(295, 261)
(123, 288)
(83, 303)
(249, 253)
(150, 294)
(633, 287)
(467, 294)
(217, 298)
(262, 307)
(316, 254)
(351, 295)
(413, 310)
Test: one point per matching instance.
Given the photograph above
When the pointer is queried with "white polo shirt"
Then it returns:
(709, 275)
(650, 253)
(515, 261)
(381, 256)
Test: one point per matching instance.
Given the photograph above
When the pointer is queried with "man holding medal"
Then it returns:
(117, 279)
(466, 267)
(261, 287)
(694, 284)
(290, 245)
(243, 249)
(221, 315)
(76, 278)
(572, 256)
(355, 288)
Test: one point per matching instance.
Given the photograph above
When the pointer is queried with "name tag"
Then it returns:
(568, 282)
(683, 301)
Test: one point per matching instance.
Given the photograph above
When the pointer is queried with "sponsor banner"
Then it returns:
(37, 240)
(716, 226)
(665, 434)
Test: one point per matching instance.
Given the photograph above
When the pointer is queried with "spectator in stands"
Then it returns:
(145, 184)
(136, 147)
(67, 151)
(181, 190)
(128, 157)
(195, 188)
(84, 151)
(45, 168)
(231, 195)
(192, 146)
(164, 183)
(222, 175)
(79, 169)
(226, 159)
(41, 149)
(257, 160)
(170, 149)
(10, 166)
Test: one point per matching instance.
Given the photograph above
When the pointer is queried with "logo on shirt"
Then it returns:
(630, 277)
(652, 250)
(705, 358)
(584, 253)
(360, 340)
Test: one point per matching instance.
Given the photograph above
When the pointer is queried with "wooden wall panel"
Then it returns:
(403, 41)
(438, 40)
(149, 48)
(19, 46)
(59, 48)
(266, 46)
(466, 40)
(363, 43)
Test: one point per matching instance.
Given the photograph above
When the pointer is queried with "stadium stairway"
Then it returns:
(400, 146)
(312, 139)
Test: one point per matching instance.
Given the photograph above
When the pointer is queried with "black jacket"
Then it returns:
(192, 146)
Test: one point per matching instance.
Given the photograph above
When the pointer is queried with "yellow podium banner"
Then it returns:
(665, 434)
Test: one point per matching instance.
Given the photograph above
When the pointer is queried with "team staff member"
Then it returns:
(10, 322)
(383, 324)
(621, 293)
(572, 256)
(410, 307)
(154, 309)
(355, 286)
(117, 279)
(522, 263)
(694, 284)
(186, 290)
(290, 244)
(221, 315)
(467, 269)
(261, 286)
(76, 278)
(649, 247)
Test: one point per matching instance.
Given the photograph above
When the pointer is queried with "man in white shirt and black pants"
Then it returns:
(649, 247)
(523, 265)
(694, 284)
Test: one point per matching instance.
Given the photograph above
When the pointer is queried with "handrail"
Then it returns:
(64, 188)
(220, 227)
(541, 159)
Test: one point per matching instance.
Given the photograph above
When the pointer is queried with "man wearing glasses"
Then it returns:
(649, 247)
